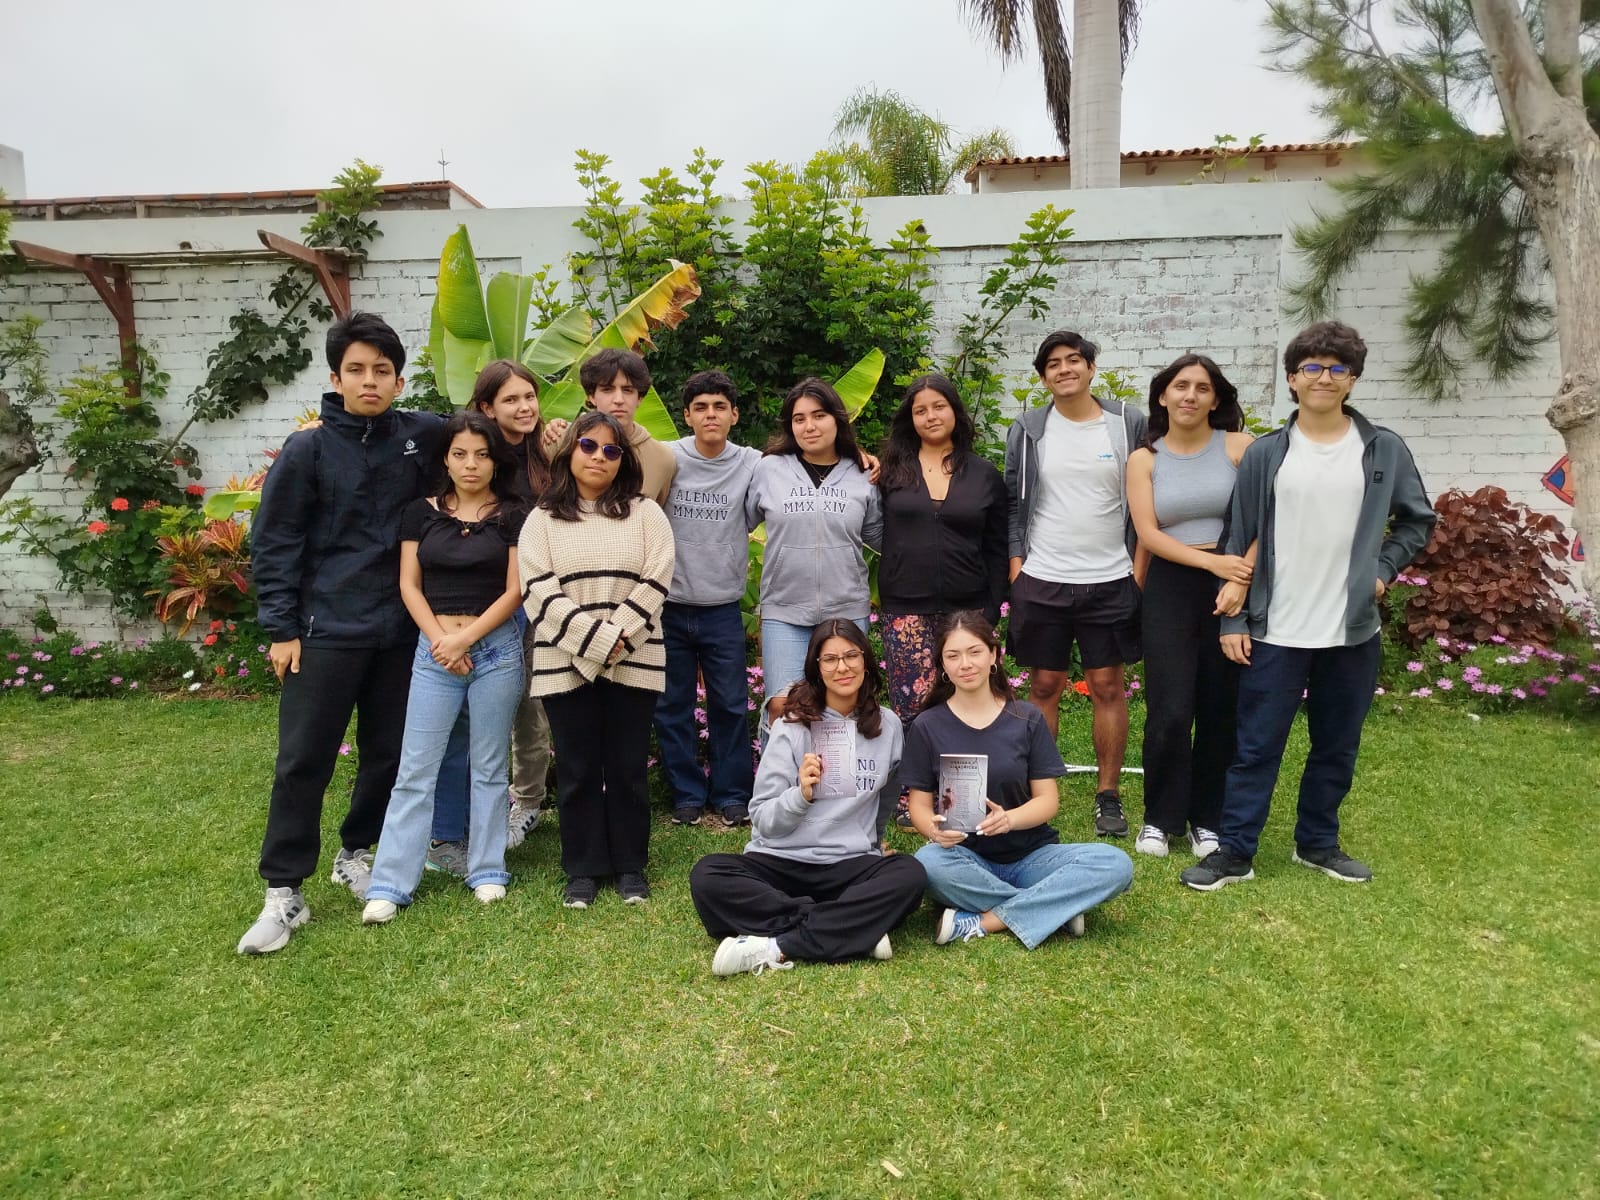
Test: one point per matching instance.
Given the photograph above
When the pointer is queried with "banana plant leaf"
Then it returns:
(558, 345)
(219, 506)
(855, 386)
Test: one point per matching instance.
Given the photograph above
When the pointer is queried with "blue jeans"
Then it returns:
(1337, 683)
(493, 687)
(707, 640)
(1034, 896)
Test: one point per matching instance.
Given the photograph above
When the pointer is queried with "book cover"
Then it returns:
(834, 741)
(962, 798)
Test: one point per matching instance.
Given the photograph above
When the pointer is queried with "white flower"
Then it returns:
(193, 687)
(189, 675)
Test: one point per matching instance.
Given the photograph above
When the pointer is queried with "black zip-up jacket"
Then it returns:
(951, 560)
(325, 545)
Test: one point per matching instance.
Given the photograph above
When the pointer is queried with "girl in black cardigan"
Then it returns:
(944, 533)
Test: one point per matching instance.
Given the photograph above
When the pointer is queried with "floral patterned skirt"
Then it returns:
(908, 654)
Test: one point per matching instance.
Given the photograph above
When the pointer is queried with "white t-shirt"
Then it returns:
(1076, 534)
(1317, 502)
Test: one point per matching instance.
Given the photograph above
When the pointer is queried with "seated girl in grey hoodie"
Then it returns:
(814, 882)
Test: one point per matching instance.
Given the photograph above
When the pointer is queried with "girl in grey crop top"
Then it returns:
(1192, 491)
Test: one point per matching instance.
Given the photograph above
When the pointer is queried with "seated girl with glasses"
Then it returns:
(1013, 873)
(814, 883)
(596, 561)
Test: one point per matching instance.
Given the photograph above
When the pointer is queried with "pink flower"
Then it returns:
(1414, 667)
(344, 747)
(1444, 685)
(97, 527)
(1497, 639)
(47, 689)
(1422, 693)
(120, 504)
(1005, 609)
(1575, 677)
(1479, 687)
(1493, 689)
(1380, 691)
(116, 680)
(1519, 693)
(1472, 673)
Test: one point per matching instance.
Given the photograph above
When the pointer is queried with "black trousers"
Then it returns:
(819, 912)
(1188, 685)
(601, 733)
(313, 713)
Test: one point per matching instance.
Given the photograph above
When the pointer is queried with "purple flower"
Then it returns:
(1413, 667)
(1552, 679)
(1422, 693)
(1497, 639)
(1444, 685)
(243, 672)
(699, 716)
(1575, 677)
(76, 651)
(47, 689)
(1472, 674)
(22, 670)
(1493, 689)
(872, 618)
(140, 644)
(344, 747)
(115, 680)
(1539, 691)
(37, 677)
(1479, 687)
(1519, 694)
(1442, 642)
(12, 657)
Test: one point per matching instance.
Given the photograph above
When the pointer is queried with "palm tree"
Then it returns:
(905, 151)
(1105, 31)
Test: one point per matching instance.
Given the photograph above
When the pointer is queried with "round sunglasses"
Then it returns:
(611, 450)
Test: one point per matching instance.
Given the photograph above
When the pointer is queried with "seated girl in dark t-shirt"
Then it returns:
(1012, 873)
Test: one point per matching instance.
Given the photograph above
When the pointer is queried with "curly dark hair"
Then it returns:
(900, 466)
(1225, 415)
(1333, 339)
(809, 697)
(561, 498)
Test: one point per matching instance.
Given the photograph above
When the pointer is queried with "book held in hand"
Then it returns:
(962, 798)
(834, 742)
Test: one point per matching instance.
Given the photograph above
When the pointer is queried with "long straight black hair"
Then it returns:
(900, 450)
(502, 484)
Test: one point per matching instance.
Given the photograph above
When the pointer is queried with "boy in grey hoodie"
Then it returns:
(701, 621)
(1336, 509)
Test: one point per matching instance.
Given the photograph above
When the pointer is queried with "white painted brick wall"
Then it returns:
(1149, 275)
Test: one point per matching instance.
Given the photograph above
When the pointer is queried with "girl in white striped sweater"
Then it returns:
(596, 561)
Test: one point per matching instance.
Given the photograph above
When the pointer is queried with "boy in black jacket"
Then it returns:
(1336, 509)
(325, 548)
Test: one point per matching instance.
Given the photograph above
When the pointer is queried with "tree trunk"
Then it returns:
(18, 451)
(1559, 172)
(1096, 95)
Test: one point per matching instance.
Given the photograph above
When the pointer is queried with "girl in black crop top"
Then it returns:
(458, 577)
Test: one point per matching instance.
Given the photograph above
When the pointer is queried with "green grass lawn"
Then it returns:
(1437, 1032)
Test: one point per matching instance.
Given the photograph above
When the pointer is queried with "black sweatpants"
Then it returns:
(313, 713)
(601, 733)
(1188, 684)
(819, 912)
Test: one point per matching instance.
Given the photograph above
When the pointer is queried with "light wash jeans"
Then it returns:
(1034, 896)
(493, 688)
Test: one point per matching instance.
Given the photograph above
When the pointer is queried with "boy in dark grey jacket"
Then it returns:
(1335, 509)
(326, 556)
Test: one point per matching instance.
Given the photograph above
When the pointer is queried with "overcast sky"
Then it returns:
(108, 97)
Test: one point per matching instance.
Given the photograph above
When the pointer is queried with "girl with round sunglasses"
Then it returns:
(596, 561)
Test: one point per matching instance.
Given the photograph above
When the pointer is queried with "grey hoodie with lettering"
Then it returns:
(784, 823)
(706, 507)
(812, 569)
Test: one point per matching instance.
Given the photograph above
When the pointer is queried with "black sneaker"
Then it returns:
(633, 889)
(1215, 870)
(1334, 863)
(1108, 818)
(687, 814)
(737, 814)
(581, 892)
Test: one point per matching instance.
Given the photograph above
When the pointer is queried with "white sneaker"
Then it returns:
(522, 820)
(379, 912)
(748, 953)
(1075, 926)
(883, 951)
(283, 913)
(1151, 841)
(488, 893)
(1203, 841)
(353, 869)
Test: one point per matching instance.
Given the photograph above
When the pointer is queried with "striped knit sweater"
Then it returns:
(589, 582)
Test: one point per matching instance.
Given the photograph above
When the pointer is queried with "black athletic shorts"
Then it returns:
(1047, 618)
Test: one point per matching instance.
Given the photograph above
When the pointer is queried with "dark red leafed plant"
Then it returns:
(1491, 571)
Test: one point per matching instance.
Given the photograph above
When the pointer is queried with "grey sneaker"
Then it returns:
(353, 869)
(449, 857)
(283, 913)
(522, 820)
(1217, 869)
(1334, 863)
